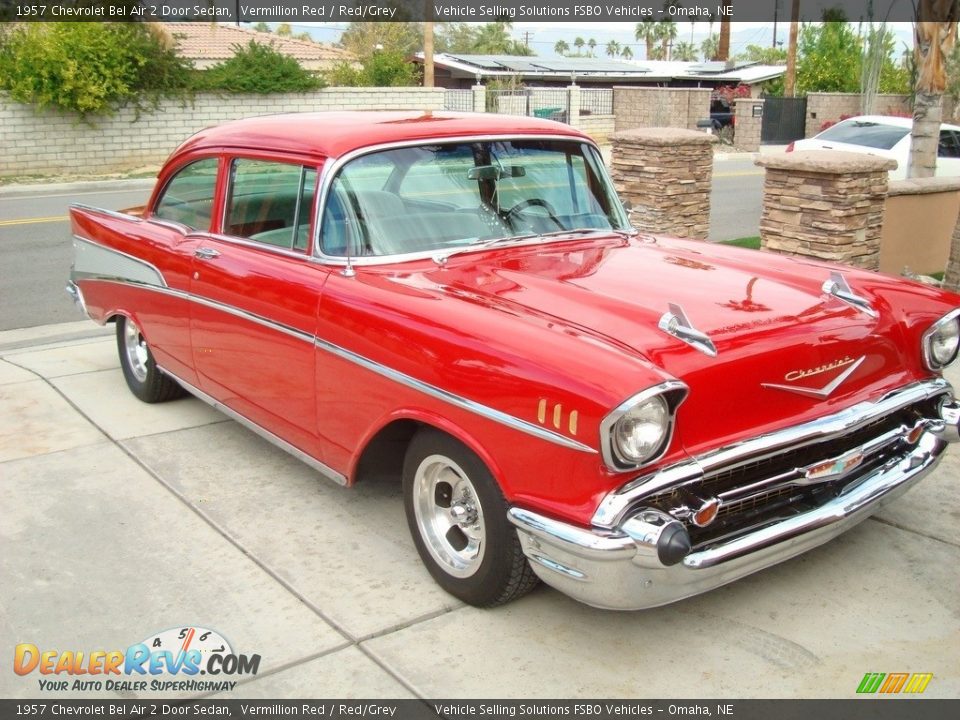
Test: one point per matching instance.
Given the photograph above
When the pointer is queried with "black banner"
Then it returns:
(875, 709)
(341, 11)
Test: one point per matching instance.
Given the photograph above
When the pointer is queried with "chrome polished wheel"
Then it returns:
(449, 515)
(136, 349)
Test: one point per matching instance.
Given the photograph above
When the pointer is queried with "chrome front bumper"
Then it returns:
(620, 568)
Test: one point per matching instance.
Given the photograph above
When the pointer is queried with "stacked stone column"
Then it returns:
(664, 174)
(825, 204)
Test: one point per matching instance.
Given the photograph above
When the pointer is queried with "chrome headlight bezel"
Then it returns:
(951, 318)
(671, 393)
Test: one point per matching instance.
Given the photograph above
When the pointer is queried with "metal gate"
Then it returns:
(784, 120)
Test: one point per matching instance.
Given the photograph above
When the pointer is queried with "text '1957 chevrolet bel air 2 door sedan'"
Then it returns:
(632, 419)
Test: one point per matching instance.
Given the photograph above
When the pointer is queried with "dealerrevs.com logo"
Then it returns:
(168, 661)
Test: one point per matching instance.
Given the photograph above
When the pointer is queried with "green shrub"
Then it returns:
(90, 68)
(258, 68)
(381, 69)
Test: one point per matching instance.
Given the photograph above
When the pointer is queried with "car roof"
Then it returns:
(332, 134)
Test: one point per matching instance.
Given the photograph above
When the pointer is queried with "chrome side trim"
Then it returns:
(615, 504)
(455, 400)
(109, 213)
(838, 287)
(387, 372)
(93, 261)
(320, 467)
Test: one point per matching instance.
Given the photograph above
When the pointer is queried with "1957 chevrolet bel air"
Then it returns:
(632, 419)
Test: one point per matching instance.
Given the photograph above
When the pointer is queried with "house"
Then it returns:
(207, 44)
(456, 71)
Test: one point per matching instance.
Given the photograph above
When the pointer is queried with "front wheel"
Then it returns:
(458, 520)
(139, 369)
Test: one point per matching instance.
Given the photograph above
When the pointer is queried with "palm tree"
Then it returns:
(647, 31)
(685, 51)
(592, 44)
(709, 47)
(284, 30)
(561, 47)
(626, 53)
(723, 49)
(613, 49)
(578, 43)
(668, 33)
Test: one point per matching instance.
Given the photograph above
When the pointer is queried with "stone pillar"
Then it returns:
(749, 119)
(573, 105)
(479, 98)
(825, 204)
(664, 174)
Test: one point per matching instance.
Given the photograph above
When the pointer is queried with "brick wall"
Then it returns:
(823, 107)
(49, 143)
(599, 127)
(660, 107)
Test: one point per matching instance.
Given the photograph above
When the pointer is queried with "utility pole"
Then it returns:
(526, 38)
(428, 53)
(776, 12)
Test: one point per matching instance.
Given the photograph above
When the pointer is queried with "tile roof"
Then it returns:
(200, 41)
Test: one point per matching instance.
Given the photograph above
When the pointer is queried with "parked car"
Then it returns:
(885, 136)
(633, 419)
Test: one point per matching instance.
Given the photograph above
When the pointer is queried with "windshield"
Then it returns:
(866, 133)
(447, 196)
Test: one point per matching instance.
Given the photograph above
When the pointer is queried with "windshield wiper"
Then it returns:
(441, 258)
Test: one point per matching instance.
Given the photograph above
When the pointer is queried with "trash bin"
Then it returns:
(547, 112)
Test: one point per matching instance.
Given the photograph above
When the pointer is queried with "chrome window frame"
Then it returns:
(333, 166)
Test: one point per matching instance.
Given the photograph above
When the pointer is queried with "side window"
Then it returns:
(270, 202)
(188, 197)
(948, 146)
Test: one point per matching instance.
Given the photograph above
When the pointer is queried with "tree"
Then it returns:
(685, 51)
(613, 49)
(284, 30)
(626, 53)
(790, 81)
(363, 39)
(764, 55)
(668, 33)
(262, 27)
(829, 58)
(258, 68)
(578, 43)
(723, 47)
(934, 36)
(592, 44)
(648, 32)
(91, 68)
(494, 39)
(383, 68)
(305, 36)
(561, 47)
(710, 47)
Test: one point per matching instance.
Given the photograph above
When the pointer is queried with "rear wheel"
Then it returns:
(458, 519)
(139, 369)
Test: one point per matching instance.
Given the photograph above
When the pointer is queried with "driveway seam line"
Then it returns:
(890, 523)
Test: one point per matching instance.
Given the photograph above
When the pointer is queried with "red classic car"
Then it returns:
(460, 298)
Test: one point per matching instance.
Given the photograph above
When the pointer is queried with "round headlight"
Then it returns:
(942, 343)
(640, 432)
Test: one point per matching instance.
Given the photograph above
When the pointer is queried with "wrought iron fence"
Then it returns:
(550, 103)
(596, 101)
(458, 100)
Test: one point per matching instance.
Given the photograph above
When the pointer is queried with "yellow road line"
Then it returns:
(31, 221)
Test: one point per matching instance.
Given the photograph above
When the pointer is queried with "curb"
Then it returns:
(80, 186)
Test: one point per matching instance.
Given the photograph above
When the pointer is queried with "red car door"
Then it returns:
(255, 295)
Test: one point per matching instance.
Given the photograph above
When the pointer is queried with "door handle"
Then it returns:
(206, 253)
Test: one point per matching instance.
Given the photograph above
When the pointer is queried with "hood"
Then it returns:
(767, 316)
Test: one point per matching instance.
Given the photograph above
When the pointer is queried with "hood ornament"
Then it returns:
(675, 322)
(827, 389)
(838, 287)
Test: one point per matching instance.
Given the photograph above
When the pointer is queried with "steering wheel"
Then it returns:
(535, 202)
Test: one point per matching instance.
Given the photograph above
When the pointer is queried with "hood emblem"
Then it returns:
(675, 322)
(827, 389)
(838, 287)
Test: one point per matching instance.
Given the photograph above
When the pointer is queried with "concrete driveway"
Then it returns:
(119, 520)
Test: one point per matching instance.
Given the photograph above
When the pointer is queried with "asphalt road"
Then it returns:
(36, 251)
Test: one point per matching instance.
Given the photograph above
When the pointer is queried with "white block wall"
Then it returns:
(50, 143)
